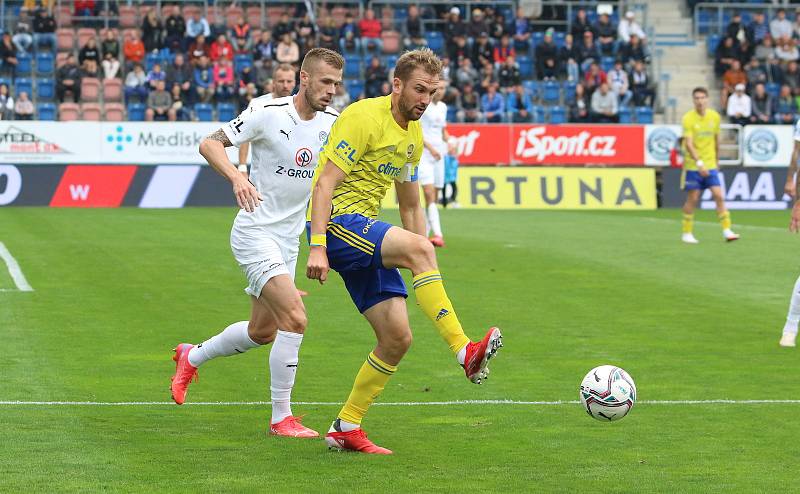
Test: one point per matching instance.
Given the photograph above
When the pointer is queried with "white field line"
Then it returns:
(14, 270)
(402, 404)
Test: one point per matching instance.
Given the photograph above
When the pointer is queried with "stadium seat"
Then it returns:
(644, 115)
(569, 91)
(114, 112)
(90, 89)
(435, 41)
(23, 84)
(536, 38)
(355, 87)
(91, 111)
(551, 92)
(226, 112)
(136, 112)
(712, 41)
(85, 34)
(61, 58)
(45, 64)
(560, 38)
(241, 61)
(205, 112)
(773, 89)
(232, 15)
(64, 16)
(46, 111)
(558, 115)
(68, 111)
(352, 69)
(65, 39)
(538, 114)
(606, 63)
(625, 115)
(112, 90)
(253, 14)
(452, 111)
(391, 60)
(392, 42)
(128, 16)
(525, 66)
(151, 59)
(24, 64)
(45, 89)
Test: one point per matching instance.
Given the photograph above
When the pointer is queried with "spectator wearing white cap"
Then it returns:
(628, 26)
(454, 27)
(739, 106)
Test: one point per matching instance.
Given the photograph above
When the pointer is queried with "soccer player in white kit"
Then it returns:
(789, 337)
(286, 135)
(431, 165)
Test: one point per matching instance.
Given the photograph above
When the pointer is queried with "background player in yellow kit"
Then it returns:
(374, 143)
(701, 146)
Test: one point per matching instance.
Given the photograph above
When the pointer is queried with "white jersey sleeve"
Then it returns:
(797, 131)
(249, 126)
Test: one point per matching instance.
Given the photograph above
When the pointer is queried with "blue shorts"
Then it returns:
(692, 180)
(354, 251)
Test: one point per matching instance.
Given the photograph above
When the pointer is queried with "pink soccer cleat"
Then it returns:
(479, 353)
(184, 373)
(291, 427)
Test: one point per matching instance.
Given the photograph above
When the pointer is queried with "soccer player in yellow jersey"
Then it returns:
(374, 143)
(701, 146)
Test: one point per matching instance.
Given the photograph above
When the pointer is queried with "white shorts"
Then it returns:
(261, 256)
(432, 171)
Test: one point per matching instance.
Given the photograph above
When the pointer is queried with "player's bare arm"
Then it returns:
(791, 187)
(695, 157)
(213, 150)
(321, 200)
(411, 213)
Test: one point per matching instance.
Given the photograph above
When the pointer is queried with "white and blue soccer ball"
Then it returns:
(608, 393)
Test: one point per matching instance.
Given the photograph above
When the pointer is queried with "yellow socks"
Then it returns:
(687, 223)
(435, 304)
(725, 220)
(370, 380)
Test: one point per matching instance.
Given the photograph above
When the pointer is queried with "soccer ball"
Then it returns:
(608, 393)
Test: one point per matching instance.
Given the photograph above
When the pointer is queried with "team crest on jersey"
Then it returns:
(303, 157)
(410, 151)
(323, 137)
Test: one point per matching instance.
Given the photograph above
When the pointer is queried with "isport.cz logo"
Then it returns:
(762, 145)
(119, 137)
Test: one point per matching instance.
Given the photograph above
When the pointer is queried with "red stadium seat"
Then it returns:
(90, 89)
(212, 13)
(127, 16)
(189, 10)
(112, 90)
(391, 41)
(127, 33)
(114, 112)
(61, 58)
(65, 39)
(91, 111)
(68, 111)
(254, 17)
(64, 16)
(274, 15)
(232, 15)
(84, 35)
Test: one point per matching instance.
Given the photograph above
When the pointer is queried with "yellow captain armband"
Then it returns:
(319, 240)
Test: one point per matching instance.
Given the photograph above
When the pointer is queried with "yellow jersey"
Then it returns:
(702, 130)
(368, 145)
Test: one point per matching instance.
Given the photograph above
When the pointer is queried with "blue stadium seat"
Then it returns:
(525, 66)
(606, 63)
(46, 111)
(625, 115)
(136, 112)
(533, 87)
(712, 41)
(23, 84)
(451, 113)
(644, 115)
(551, 92)
(241, 61)
(538, 114)
(704, 22)
(226, 112)
(45, 64)
(354, 87)
(773, 89)
(559, 37)
(45, 89)
(205, 112)
(24, 64)
(352, 68)
(569, 91)
(391, 60)
(5, 81)
(435, 41)
(151, 59)
(558, 115)
(536, 38)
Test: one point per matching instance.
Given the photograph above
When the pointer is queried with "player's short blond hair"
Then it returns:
(315, 55)
(282, 67)
(422, 58)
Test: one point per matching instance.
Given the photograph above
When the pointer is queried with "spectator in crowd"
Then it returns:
(605, 107)
(110, 62)
(374, 77)
(618, 81)
(791, 77)
(152, 32)
(133, 49)
(23, 39)
(643, 93)
(488, 76)
(240, 34)
(733, 76)
(223, 79)
(287, 50)
(285, 25)
(341, 99)
(758, 29)
(520, 105)
(8, 55)
(503, 51)
(786, 51)
(579, 107)
(245, 80)
(594, 77)
(736, 28)
(761, 103)
(774, 69)
(44, 29)
(581, 25)
(785, 107)
(498, 28)
(796, 25)
(465, 74)
(746, 52)
(522, 31)
(84, 8)
(587, 51)
(307, 33)
(178, 104)
(180, 75)
(629, 26)
(725, 55)
(633, 50)
(155, 76)
(370, 29)
(159, 105)
(482, 50)
(468, 105)
(454, 27)
(756, 73)
(136, 84)
(197, 26)
(250, 93)
(413, 31)
(174, 29)
(89, 57)
(493, 105)
(204, 80)
(765, 50)
(68, 80)
(329, 35)
(508, 76)
(199, 49)
(110, 44)
(568, 57)
(546, 56)
(739, 106)
(477, 25)
(386, 88)
(307, 46)
(606, 35)
(780, 28)
(264, 51)
(349, 37)
(6, 103)
(458, 49)
(221, 48)
(23, 108)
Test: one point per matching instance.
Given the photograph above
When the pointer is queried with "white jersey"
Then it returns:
(285, 152)
(433, 121)
(263, 99)
(797, 130)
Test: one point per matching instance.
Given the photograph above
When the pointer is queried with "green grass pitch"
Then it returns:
(115, 290)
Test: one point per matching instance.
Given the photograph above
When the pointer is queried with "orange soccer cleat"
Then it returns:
(479, 353)
(184, 373)
(291, 427)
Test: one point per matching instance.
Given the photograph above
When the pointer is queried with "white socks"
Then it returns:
(433, 219)
(234, 339)
(282, 368)
(461, 356)
(794, 310)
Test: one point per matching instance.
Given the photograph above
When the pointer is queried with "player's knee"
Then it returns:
(262, 334)
(424, 257)
(296, 320)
